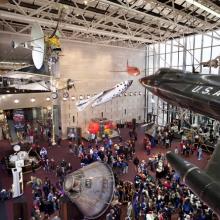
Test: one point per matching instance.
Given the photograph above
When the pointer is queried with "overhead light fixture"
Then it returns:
(16, 101)
(80, 97)
(32, 99)
(64, 98)
(48, 99)
(73, 98)
(203, 7)
(7, 91)
(88, 96)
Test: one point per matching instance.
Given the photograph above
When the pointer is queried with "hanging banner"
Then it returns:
(18, 118)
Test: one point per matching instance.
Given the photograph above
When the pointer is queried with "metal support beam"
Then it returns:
(22, 18)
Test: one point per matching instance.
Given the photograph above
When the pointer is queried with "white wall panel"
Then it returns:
(92, 66)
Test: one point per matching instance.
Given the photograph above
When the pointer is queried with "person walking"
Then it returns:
(199, 153)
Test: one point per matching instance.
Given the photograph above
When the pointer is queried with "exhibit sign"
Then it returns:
(18, 118)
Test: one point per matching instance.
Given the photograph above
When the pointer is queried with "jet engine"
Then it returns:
(91, 189)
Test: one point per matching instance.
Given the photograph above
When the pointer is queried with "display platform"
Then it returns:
(88, 137)
(29, 158)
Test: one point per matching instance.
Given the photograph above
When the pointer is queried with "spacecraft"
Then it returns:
(104, 96)
(91, 189)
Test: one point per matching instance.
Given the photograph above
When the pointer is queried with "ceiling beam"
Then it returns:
(45, 22)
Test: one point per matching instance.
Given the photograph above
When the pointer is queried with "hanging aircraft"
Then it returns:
(212, 63)
(104, 96)
(131, 70)
(30, 79)
(197, 92)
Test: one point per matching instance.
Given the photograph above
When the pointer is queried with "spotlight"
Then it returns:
(16, 101)
(73, 98)
(48, 99)
(32, 99)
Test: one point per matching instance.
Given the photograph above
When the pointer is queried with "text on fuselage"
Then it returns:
(206, 90)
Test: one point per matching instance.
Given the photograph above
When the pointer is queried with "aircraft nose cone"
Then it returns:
(146, 81)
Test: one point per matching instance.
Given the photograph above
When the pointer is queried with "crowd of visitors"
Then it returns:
(153, 196)
(155, 193)
(45, 197)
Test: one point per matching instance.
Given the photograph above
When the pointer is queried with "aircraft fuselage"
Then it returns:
(197, 92)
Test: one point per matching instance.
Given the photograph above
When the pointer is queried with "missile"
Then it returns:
(200, 182)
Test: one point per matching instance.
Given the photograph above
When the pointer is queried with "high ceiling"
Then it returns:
(128, 23)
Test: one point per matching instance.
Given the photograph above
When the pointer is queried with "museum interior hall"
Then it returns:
(109, 109)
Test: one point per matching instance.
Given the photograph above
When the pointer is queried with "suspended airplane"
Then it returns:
(212, 63)
(29, 79)
(131, 70)
(197, 92)
(104, 96)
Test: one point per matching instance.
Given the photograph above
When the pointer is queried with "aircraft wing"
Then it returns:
(213, 166)
(35, 86)
(26, 76)
(29, 73)
(82, 104)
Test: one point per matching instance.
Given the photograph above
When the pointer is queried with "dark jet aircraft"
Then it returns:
(197, 92)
